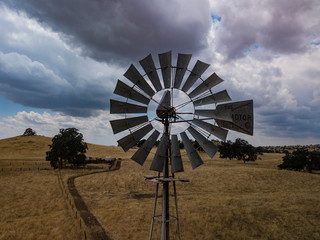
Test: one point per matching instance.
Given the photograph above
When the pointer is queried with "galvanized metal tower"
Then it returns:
(174, 103)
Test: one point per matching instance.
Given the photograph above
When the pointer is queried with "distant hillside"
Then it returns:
(28, 147)
(290, 148)
(24, 147)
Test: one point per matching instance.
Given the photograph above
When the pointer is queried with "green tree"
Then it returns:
(301, 159)
(314, 161)
(244, 151)
(29, 132)
(260, 150)
(240, 150)
(225, 149)
(67, 147)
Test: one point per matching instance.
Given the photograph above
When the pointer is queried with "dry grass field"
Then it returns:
(223, 200)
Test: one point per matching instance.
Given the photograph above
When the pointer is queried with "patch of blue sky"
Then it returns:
(315, 39)
(250, 49)
(216, 18)
(8, 108)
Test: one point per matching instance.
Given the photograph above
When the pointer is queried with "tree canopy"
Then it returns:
(29, 132)
(240, 150)
(301, 159)
(67, 147)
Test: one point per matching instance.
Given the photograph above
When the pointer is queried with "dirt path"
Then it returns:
(96, 231)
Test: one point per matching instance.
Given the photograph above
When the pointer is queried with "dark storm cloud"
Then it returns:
(38, 69)
(32, 84)
(278, 26)
(118, 31)
(302, 124)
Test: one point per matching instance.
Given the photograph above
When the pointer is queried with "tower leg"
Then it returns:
(177, 211)
(165, 212)
(154, 211)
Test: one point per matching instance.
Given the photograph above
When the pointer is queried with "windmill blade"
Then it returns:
(124, 90)
(182, 64)
(165, 63)
(219, 132)
(129, 141)
(123, 107)
(196, 72)
(161, 154)
(162, 110)
(218, 97)
(176, 160)
(207, 145)
(209, 83)
(150, 69)
(213, 114)
(141, 155)
(194, 157)
(126, 123)
(135, 77)
(242, 116)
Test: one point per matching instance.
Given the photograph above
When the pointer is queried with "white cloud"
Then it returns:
(95, 129)
(278, 26)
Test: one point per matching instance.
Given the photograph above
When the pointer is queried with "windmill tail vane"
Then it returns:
(203, 114)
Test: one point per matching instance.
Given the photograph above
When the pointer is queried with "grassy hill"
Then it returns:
(24, 147)
(35, 147)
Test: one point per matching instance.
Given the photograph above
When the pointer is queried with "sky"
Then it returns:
(60, 60)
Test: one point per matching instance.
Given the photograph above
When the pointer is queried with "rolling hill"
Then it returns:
(35, 147)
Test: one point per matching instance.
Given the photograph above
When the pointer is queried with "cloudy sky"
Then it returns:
(60, 60)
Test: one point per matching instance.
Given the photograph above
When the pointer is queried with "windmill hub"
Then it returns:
(169, 113)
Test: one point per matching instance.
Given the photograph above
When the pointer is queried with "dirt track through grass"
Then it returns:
(97, 232)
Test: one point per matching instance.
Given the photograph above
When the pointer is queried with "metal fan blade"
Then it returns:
(213, 114)
(161, 154)
(123, 107)
(124, 90)
(209, 83)
(135, 77)
(176, 160)
(207, 145)
(162, 110)
(165, 63)
(218, 97)
(150, 69)
(214, 130)
(196, 72)
(242, 116)
(126, 123)
(141, 155)
(194, 157)
(182, 64)
(129, 141)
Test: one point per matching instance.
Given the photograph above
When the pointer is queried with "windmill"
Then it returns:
(184, 105)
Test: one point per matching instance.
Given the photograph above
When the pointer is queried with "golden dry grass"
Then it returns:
(32, 203)
(33, 207)
(224, 199)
